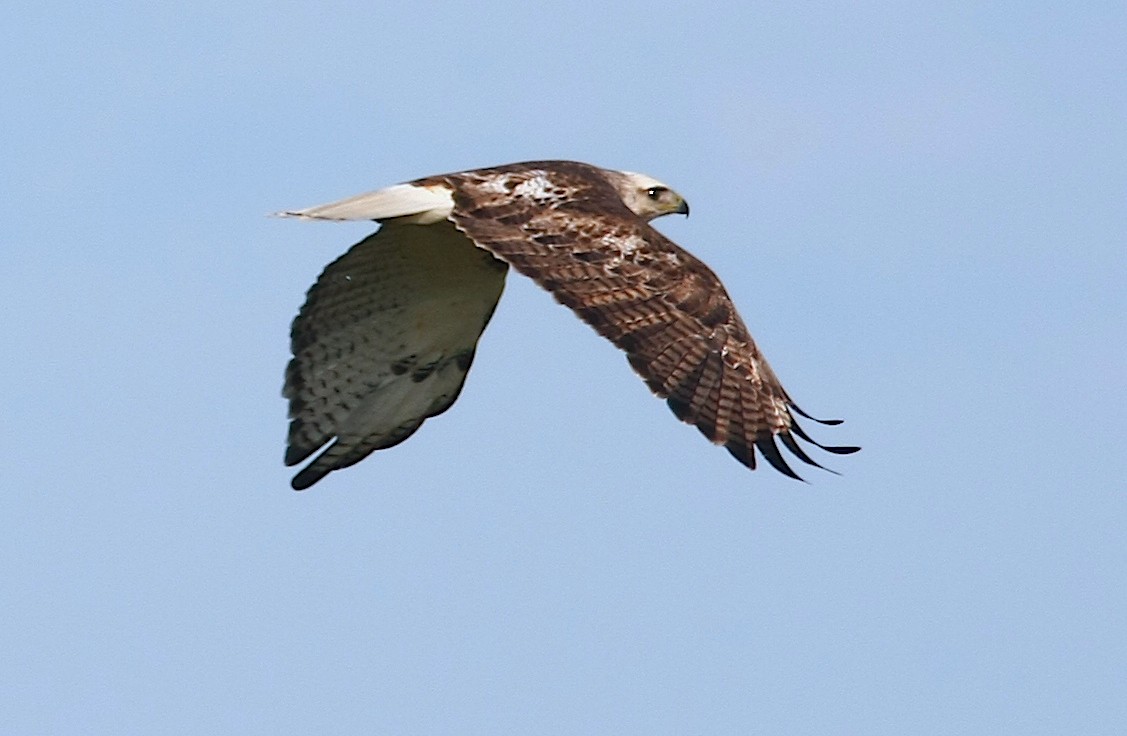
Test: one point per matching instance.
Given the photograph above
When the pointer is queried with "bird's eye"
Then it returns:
(655, 192)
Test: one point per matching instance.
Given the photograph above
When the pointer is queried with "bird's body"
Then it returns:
(389, 330)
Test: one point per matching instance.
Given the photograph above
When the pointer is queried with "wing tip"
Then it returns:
(308, 476)
(811, 417)
(764, 442)
(770, 451)
(295, 455)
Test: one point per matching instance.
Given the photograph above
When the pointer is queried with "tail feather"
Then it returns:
(424, 205)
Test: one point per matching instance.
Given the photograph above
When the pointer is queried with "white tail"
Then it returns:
(421, 205)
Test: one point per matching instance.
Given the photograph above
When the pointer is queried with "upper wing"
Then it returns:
(638, 289)
(384, 340)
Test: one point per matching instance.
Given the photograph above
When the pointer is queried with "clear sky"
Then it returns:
(920, 209)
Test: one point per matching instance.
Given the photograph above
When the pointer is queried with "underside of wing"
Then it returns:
(384, 341)
(649, 297)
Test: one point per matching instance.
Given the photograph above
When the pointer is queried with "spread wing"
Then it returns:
(384, 341)
(570, 232)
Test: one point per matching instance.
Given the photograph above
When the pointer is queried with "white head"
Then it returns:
(646, 196)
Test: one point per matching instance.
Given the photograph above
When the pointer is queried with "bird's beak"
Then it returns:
(682, 209)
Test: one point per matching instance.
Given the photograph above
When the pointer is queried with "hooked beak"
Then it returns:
(683, 209)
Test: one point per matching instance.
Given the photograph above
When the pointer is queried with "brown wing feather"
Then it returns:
(563, 225)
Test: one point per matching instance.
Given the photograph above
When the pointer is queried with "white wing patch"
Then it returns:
(501, 184)
(627, 246)
(537, 187)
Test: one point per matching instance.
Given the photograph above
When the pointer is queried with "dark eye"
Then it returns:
(656, 192)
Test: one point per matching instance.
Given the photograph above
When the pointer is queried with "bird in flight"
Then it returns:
(387, 334)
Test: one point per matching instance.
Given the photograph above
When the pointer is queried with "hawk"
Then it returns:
(387, 334)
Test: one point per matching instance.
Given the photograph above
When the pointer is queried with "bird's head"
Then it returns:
(646, 196)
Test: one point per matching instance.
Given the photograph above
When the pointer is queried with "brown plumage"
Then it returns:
(388, 332)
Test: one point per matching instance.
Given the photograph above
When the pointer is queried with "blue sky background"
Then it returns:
(921, 211)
